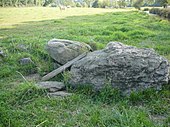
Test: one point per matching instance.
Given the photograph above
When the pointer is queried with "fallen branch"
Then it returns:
(62, 68)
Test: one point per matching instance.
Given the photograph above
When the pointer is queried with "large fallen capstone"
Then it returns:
(124, 67)
(63, 51)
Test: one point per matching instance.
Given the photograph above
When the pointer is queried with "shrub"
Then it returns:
(165, 13)
(146, 9)
(95, 4)
(168, 13)
(78, 5)
(138, 4)
(154, 10)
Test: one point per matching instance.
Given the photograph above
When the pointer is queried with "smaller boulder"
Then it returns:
(25, 61)
(63, 51)
(33, 77)
(22, 47)
(51, 86)
(60, 94)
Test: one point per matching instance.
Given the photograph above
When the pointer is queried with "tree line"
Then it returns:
(130, 3)
(28, 3)
(84, 3)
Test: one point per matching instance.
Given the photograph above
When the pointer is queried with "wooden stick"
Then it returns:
(62, 68)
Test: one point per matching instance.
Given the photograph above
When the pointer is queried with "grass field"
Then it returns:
(12, 16)
(24, 105)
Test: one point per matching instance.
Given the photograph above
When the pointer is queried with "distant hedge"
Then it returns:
(146, 9)
(161, 12)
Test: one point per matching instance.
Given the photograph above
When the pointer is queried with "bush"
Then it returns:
(95, 4)
(78, 5)
(165, 13)
(168, 14)
(138, 4)
(53, 5)
(146, 9)
(154, 10)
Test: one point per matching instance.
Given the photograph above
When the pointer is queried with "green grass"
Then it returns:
(22, 104)
(12, 16)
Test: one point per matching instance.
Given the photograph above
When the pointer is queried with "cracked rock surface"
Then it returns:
(63, 51)
(51, 86)
(124, 67)
(54, 88)
(59, 93)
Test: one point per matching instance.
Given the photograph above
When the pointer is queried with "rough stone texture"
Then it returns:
(56, 65)
(51, 86)
(33, 77)
(63, 51)
(22, 47)
(60, 93)
(25, 61)
(124, 67)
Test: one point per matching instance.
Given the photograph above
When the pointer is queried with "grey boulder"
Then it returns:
(124, 67)
(51, 86)
(59, 94)
(63, 51)
(26, 61)
(22, 47)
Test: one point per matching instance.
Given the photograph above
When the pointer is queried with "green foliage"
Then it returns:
(138, 4)
(165, 13)
(146, 9)
(47, 2)
(154, 10)
(121, 3)
(78, 4)
(163, 3)
(96, 4)
(104, 4)
(108, 3)
(19, 3)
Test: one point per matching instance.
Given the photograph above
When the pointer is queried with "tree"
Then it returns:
(47, 2)
(95, 4)
(104, 3)
(89, 2)
(16, 3)
(163, 3)
(148, 2)
(121, 3)
(138, 4)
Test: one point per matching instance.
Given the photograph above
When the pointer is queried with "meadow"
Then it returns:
(22, 104)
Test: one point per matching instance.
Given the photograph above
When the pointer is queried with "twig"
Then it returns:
(62, 68)
(41, 123)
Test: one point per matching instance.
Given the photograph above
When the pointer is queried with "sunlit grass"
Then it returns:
(11, 16)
